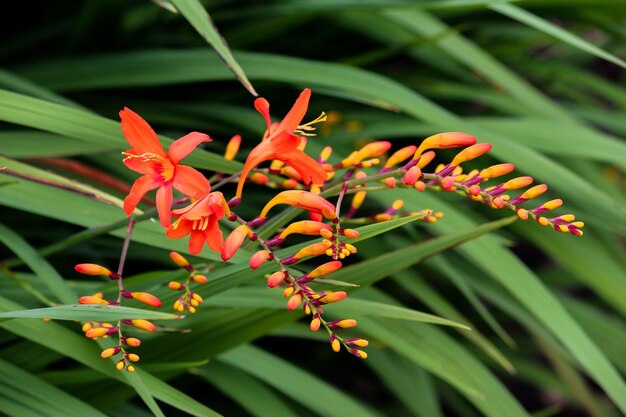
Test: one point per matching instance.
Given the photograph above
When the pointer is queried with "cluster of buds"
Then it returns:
(96, 329)
(305, 182)
(189, 300)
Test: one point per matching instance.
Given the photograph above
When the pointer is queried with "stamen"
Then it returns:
(308, 127)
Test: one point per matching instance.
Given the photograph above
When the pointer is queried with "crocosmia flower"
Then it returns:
(199, 220)
(161, 170)
(282, 143)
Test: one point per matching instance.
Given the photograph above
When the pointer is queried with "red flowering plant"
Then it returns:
(314, 186)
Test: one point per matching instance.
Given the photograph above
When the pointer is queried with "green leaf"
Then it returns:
(195, 13)
(84, 312)
(42, 396)
(295, 383)
(551, 29)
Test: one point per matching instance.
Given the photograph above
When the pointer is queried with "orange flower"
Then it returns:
(161, 170)
(200, 220)
(282, 144)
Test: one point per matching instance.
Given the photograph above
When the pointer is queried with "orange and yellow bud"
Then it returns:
(234, 241)
(357, 200)
(535, 191)
(359, 353)
(390, 182)
(143, 325)
(324, 269)
(92, 269)
(470, 153)
(199, 279)
(132, 357)
(400, 155)
(351, 233)
(342, 324)
(90, 299)
(368, 151)
(146, 298)
(496, 171)
(259, 258)
(107, 353)
(447, 184)
(314, 249)
(175, 285)
(315, 324)
(179, 260)
(294, 302)
(522, 214)
(334, 343)
(259, 178)
(232, 148)
(518, 182)
(305, 227)
(275, 279)
(132, 341)
(302, 199)
(412, 175)
(288, 291)
(325, 154)
(444, 141)
(333, 297)
(130, 368)
(425, 159)
(120, 365)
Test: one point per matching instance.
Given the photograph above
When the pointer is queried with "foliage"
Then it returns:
(472, 313)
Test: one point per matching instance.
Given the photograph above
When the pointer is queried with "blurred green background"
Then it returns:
(541, 80)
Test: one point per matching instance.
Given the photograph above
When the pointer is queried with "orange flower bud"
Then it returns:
(420, 186)
(146, 298)
(327, 233)
(258, 259)
(92, 269)
(412, 175)
(90, 299)
(425, 159)
(143, 325)
(333, 297)
(359, 353)
(314, 249)
(133, 357)
(498, 202)
(400, 156)
(382, 217)
(496, 171)
(474, 190)
(120, 364)
(444, 141)
(199, 279)
(358, 198)
(324, 269)
(535, 191)
(130, 368)
(370, 150)
(234, 241)
(390, 182)
(132, 341)
(351, 233)
(543, 221)
(304, 200)
(294, 302)
(306, 227)
(175, 285)
(288, 291)
(518, 182)
(106, 353)
(179, 259)
(96, 332)
(334, 343)
(259, 179)
(447, 184)
(522, 214)
(315, 324)
(290, 184)
(232, 148)
(470, 153)
(275, 279)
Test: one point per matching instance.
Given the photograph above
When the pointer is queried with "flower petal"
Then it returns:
(190, 182)
(164, 204)
(262, 106)
(308, 168)
(183, 146)
(183, 228)
(140, 187)
(214, 236)
(196, 242)
(297, 112)
(139, 134)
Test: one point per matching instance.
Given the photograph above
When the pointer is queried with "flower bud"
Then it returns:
(275, 279)
(179, 260)
(232, 148)
(146, 298)
(294, 302)
(199, 279)
(258, 258)
(93, 269)
(143, 325)
(106, 353)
